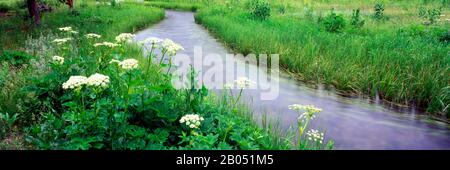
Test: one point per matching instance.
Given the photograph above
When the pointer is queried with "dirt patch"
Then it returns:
(5, 14)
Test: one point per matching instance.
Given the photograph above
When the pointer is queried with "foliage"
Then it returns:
(379, 11)
(135, 108)
(432, 15)
(356, 20)
(7, 121)
(15, 58)
(260, 9)
(333, 22)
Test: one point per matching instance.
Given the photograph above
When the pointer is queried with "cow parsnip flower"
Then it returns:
(129, 64)
(244, 82)
(124, 37)
(150, 40)
(107, 44)
(310, 111)
(66, 29)
(171, 47)
(315, 136)
(74, 82)
(114, 61)
(228, 86)
(92, 35)
(98, 80)
(60, 41)
(58, 60)
(193, 121)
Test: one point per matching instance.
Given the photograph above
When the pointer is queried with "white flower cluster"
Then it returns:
(171, 47)
(193, 121)
(244, 82)
(310, 110)
(66, 29)
(98, 80)
(315, 136)
(228, 86)
(61, 40)
(58, 60)
(74, 82)
(107, 44)
(77, 82)
(92, 35)
(153, 41)
(127, 64)
(124, 37)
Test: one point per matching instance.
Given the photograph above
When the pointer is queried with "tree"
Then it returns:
(34, 11)
(68, 2)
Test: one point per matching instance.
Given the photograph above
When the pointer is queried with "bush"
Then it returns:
(260, 9)
(431, 15)
(333, 22)
(15, 58)
(379, 11)
(4, 7)
(356, 19)
(445, 37)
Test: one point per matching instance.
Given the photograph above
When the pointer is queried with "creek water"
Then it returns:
(351, 122)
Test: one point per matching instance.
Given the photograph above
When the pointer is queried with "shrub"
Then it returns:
(356, 19)
(333, 22)
(379, 11)
(445, 37)
(4, 7)
(260, 9)
(431, 15)
(15, 58)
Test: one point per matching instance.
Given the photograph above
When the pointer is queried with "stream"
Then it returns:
(351, 122)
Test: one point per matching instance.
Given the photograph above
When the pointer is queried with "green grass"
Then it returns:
(399, 59)
(100, 19)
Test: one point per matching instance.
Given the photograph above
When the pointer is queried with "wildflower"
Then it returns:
(92, 35)
(124, 37)
(171, 47)
(129, 64)
(315, 136)
(151, 40)
(228, 86)
(98, 80)
(114, 61)
(193, 121)
(61, 40)
(244, 82)
(66, 29)
(58, 60)
(295, 107)
(309, 113)
(108, 44)
(74, 82)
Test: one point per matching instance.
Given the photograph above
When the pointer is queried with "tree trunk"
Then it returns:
(70, 3)
(34, 11)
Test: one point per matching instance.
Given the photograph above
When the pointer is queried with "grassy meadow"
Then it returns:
(399, 54)
(76, 81)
